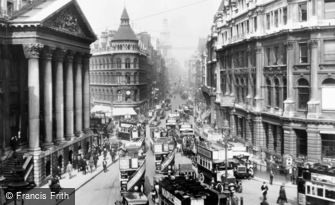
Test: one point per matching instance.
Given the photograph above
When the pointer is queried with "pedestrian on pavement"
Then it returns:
(69, 169)
(87, 165)
(13, 143)
(59, 172)
(264, 189)
(104, 164)
(105, 152)
(95, 159)
(91, 162)
(75, 162)
(282, 195)
(271, 176)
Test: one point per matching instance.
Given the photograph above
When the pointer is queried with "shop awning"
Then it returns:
(102, 109)
(124, 111)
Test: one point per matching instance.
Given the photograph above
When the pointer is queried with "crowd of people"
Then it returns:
(85, 162)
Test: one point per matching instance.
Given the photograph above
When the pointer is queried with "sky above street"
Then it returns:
(188, 19)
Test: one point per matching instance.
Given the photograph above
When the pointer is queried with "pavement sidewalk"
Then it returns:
(79, 179)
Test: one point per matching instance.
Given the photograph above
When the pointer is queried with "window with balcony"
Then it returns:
(329, 9)
(303, 11)
(118, 62)
(268, 22)
(119, 95)
(303, 52)
(127, 63)
(303, 93)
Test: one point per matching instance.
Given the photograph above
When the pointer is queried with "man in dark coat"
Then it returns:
(264, 189)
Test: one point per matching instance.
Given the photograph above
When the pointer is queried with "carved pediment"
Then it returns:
(69, 20)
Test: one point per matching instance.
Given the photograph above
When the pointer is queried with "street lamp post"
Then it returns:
(225, 135)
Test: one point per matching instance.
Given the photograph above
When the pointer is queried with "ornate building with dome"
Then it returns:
(119, 70)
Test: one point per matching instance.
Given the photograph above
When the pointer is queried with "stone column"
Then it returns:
(86, 91)
(259, 78)
(218, 81)
(69, 118)
(289, 103)
(78, 95)
(314, 143)
(249, 94)
(47, 66)
(271, 138)
(259, 132)
(290, 141)
(232, 124)
(59, 96)
(314, 103)
(248, 130)
(32, 52)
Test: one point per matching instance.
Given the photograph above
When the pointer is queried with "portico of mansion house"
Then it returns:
(44, 84)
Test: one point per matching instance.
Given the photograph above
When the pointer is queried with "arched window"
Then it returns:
(118, 78)
(303, 93)
(127, 62)
(118, 63)
(277, 92)
(135, 62)
(112, 62)
(328, 94)
(128, 78)
(268, 89)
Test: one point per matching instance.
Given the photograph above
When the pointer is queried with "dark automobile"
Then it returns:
(241, 172)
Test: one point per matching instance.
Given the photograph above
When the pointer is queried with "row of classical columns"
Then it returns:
(70, 107)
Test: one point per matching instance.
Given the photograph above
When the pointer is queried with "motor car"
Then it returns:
(241, 172)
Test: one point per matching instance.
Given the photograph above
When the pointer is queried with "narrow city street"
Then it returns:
(103, 189)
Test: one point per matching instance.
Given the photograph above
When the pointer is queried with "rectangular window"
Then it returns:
(303, 52)
(276, 18)
(329, 50)
(284, 55)
(268, 23)
(237, 30)
(247, 26)
(255, 23)
(329, 9)
(285, 16)
(303, 12)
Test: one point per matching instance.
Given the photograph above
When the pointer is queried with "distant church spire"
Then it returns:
(124, 17)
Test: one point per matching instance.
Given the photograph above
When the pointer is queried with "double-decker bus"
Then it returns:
(211, 163)
(316, 185)
(132, 169)
(188, 139)
(129, 130)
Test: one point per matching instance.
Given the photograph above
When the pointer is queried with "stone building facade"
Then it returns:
(118, 69)
(275, 75)
(44, 84)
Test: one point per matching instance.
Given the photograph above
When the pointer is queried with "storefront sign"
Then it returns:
(204, 152)
(320, 178)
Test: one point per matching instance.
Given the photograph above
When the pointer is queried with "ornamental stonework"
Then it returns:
(67, 21)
